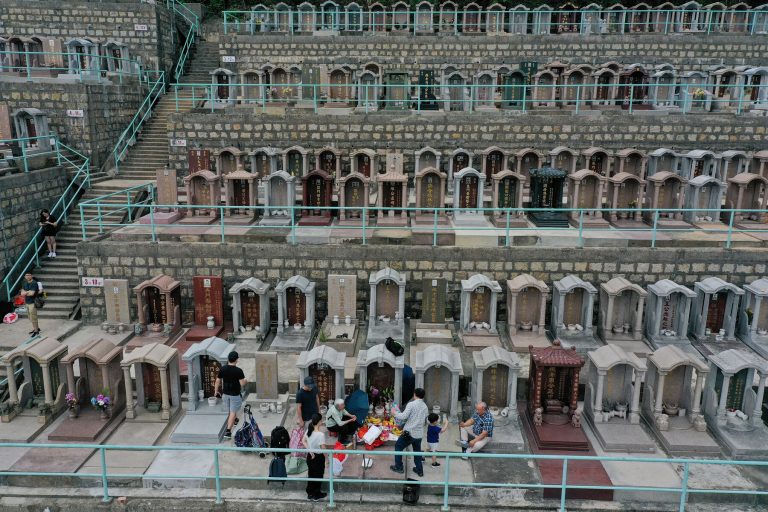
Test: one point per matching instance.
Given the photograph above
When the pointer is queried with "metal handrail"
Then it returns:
(446, 482)
(142, 114)
(30, 255)
(537, 21)
(683, 96)
(577, 217)
(29, 62)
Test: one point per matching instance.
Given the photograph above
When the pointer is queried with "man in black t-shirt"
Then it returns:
(230, 382)
(307, 401)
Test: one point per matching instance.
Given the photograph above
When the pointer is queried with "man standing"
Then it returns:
(307, 401)
(413, 419)
(30, 290)
(230, 382)
(482, 430)
(339, 420)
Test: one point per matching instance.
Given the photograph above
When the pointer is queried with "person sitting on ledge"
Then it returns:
(339, 420)
(482, 430)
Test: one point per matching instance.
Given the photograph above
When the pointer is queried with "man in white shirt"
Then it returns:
(413, 418)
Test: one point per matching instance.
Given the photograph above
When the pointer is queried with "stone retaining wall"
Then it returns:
(272, 262)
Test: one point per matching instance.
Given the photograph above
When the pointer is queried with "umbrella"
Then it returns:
(357, 404)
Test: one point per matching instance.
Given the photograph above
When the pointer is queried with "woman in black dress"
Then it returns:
(48, 224)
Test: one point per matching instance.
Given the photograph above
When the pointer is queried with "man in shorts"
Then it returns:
(230, 383)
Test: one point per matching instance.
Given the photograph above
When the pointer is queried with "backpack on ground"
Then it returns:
(395, 347)
(411, 492)
(277, 470)
(279, 439)
(249, 435)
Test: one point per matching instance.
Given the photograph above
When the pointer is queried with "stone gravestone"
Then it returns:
(117, 301)
(266, 375)
(5, 122)
(209, 301)
(198, 160)
(168, 195)
(342, 302)
(427, 98)
(438, 381)
(432, 327)
(394, 163)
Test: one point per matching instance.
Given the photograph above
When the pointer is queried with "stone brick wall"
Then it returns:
(476, 53)
(408, 132)
(22, 196)
(100, 21)
(107, 111)
(272, 262)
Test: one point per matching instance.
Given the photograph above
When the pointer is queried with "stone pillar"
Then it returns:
(758, 303)
(634, 410)
(70, 377)
(608, 320)
(339, 382)
(637, 334)
(47, 387)
(512, 313)
(576, 187)
(13, 391)
(723, 395)
(399, 384)
(492, 317)
(454, 393)
(696, 407)
(575, 391)
(512, 392)
(657, 407)
(129, 413)
(615, 200)
(756, 416)
(404, 204)
(543, 312)
(372, 305)
(165, 392)
(401, 301)
(309, 312)
(280, 310)
(597, 406)
(363, 382)
(140, 306)
(590, 307)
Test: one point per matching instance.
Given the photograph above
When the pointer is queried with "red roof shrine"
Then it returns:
(556, 355)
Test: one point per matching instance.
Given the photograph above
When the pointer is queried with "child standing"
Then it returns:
(433, 435)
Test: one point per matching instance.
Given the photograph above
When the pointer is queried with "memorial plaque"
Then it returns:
(342, 295)
(266, 375)
(397, 91)
(250, 305)
(468, 192)
(38, 389)
(437, 384)
(209, 299)
(430, 191)
(210, 369)
(94, 378)
(153, 392)
(198, 160)
(495, 385)
(325, 379)
(5, 122)
(297, 306)
(240, 193)
(507, 193)
(117, 301)
(479, 305)
(155, 301)
(364, 164)
(393, 194)
(427, 98)
(460, 161)
(328, 162)
(353, 195)
(433, 301)
(381, 377)
(316, 197)
(716, 311)
(309, 76)
(167, 187)
(295, 163)
(387, 298)
(493, 162)
(395, 163)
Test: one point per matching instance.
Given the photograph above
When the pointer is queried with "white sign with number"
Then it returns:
(93, 281)
(75, 113)
(228, 58)
(179, 143)
(138, 27)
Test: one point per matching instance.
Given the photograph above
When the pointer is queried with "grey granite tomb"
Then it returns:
(437, 370)
(477, 321)
(250, 310)
(753, 316)
(340, 326)
(117, 302)
(612, 399)
(432, 327)
(326, 366)
(158, 397)
(387, 306)
(714, 311)
(572, 305)
(295, 314)
(732, 408)
(621, 315)
(279, 199)
(526, 312)
(378, 367)
(668, 313)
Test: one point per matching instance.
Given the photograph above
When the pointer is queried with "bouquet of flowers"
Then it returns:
(101, 402)
(71, 400)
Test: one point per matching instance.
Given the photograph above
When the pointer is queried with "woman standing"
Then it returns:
(48, 224)
(313, 440)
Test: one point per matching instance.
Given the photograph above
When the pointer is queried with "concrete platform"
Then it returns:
(619, 435)
(682, 440)
(480, 341)
(291, 340)
(741, 440)
(640, 348)
(200, 332)
(521, 341)
(22, 429)
(379, 333)
(507, 435)
(583, 344)
(13, 335)
(432, 335)
(86, 428)
(200, 429)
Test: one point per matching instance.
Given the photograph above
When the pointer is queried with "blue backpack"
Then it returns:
(277, 470)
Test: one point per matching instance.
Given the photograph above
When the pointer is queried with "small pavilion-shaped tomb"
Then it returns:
(753, 316)
(317, 189)
(666, 193)
(229, 159)
(494, 378)
(158, 301)
(747, 191)
(427, 157)
(430, 193)
(526, 312)
(507, 193)
(328, 159)
(704, 198)
(733, 407)
(340, 326)
(364, 161)
(672, 401)
(715, 310)
(586, 190)
(326, 366)
(93, 369)
(621, 310)
(631, 161)
(668, 313)
(241, 191)
(437, 370)
(468, 197)
(354, 191)
(625, 191)
(573, 302)
(296, 161)
(264, 161)
(386, 313)
(477, 318)
(295, 314)
(203, 189)
(250, 309)
(158, 397)
(612, 399)
(378, 368)
(392, 194)
(279, 199)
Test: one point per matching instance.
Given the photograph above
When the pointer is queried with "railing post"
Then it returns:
(631, 97)
(365, 219)
(684, 488)
(331, 497)
(446, 479)
(82, 222)
(104, 484)
(101, 221)
(506, 228)
(730, 230)
(23, 145)
(563, 484)
(219, 501)
(434, 230)
(293, 225)
(152, 222)
(578, 97)
(221, 214)
(655, 227)
(128, 204)
(581, 228)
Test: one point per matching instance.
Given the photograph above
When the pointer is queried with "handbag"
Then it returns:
(295, 443)
(39, 302)
(406, 437)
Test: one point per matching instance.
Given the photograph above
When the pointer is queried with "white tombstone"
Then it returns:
(479, 298)
(213, 348)
(621, 310)
(379, 355)
(250, 308)
(573, 301)
(386, 313)
(668, 313)
(323, 358)
(437, 370)
(714, 310)
(490, 365)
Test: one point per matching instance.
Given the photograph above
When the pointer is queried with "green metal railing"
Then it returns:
(179, 8)
(484, 95)
(128, 137)
(495, 20)
(649, 221)
(50, 64)
(444, 480)
(126, 212)
(30, 255)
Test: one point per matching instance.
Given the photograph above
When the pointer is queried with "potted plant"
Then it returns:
(671, 409)
(72, 405)
(607, 407)
(8, 411)
(44, 413)
(101, 403)
(322, 337)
